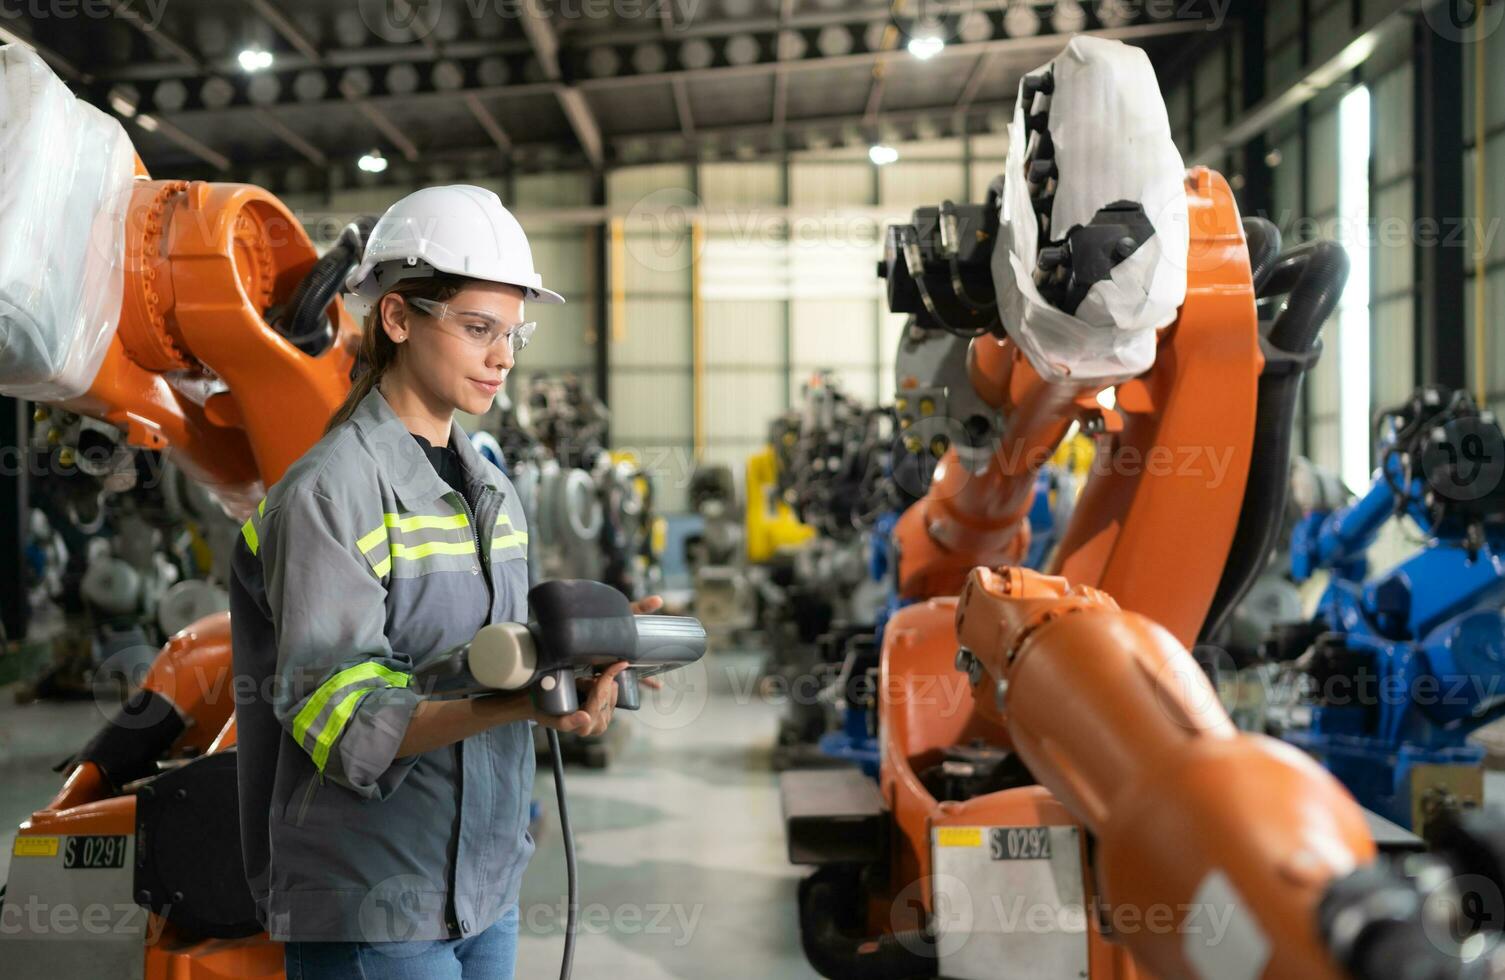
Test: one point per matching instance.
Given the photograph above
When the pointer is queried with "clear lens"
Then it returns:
(479, 329)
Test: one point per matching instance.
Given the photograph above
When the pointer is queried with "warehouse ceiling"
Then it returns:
(441, 88)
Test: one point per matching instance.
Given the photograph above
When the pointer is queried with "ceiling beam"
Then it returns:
(974, 80)
(1046, 45)
(279, 129)
(134, 15)
(67, 69)
(173, 134)
(545, 43)
(682, 107)
(529, 157)
(771, 66)
(1042, 46)
(488, 122)
(290, 33)
(583, 122)
(386, 54)
(305, 46)
(880, 70)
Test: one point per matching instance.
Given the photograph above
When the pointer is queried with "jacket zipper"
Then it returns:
(308, 796)
(452, 913)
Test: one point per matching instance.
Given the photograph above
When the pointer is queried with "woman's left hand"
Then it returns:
(644, 606)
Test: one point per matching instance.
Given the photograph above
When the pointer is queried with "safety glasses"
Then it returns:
(473, 326)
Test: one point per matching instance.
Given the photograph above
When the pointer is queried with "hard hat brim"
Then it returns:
(363, 281)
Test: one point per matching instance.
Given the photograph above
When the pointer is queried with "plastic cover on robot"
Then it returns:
(1112, 143)
(68, 170)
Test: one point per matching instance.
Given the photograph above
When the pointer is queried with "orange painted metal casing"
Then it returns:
(926, 704)
(204, 265)
(1152, 528)
(1170, 468)
(1119, 722)
(969, 518)
(1155, 521)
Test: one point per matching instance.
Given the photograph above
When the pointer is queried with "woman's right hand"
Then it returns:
(596, 706)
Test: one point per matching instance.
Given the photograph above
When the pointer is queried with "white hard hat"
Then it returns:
(459, 229)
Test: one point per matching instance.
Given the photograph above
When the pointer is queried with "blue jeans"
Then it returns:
(489, 955)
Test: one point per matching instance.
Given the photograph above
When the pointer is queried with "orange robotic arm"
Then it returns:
(195, 367)
(981, 518)
(1116, 719)
(1173, 457)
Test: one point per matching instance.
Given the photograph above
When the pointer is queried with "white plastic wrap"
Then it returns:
(65, 179)
(1112, 143)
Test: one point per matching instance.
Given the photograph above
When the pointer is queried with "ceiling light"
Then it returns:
(882, 154)
(926, 46)
(255, 59)
(373, 162)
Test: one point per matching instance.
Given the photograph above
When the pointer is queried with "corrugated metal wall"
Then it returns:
(1488, 233)
(785, 261)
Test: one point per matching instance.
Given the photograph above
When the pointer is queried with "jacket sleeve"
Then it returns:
(342, 691)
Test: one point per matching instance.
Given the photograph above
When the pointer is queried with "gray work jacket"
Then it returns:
(359, 565)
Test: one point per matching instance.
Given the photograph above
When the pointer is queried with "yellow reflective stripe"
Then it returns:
(424, 522)
(418, 522)
(412, 552)
(382, 567)
(350, 675)
(367, 541)
(508, 540)
(248, 529)
(502, 518)
(337, 722)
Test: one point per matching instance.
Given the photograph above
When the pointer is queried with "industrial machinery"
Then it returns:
(144, 553)
(590, 511)
(595, 514)
(1057, 770)
(197, 319)
(714, 554)
(1406, 663)
(814, 596)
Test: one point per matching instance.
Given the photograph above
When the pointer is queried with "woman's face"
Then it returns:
(442, 356)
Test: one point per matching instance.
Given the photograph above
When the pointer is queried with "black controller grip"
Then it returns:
(554, 692)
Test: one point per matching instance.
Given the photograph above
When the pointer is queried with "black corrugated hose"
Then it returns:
(1311, 276)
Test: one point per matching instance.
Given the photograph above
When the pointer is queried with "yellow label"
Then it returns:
(958, 836)
(36, 847)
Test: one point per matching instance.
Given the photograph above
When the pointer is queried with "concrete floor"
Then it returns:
(679, 844)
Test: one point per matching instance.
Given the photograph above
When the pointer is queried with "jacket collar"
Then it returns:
(413, 476)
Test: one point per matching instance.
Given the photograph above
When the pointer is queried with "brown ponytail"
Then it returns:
(378, 352)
